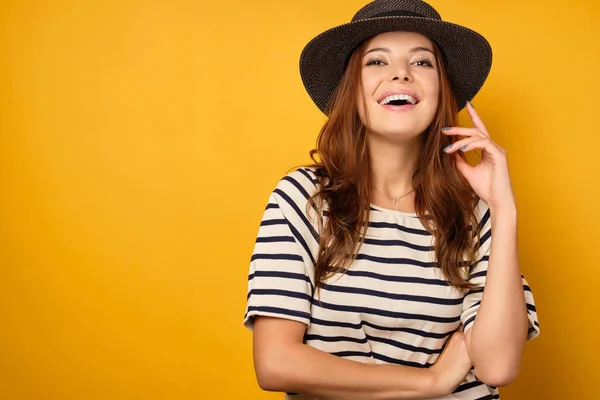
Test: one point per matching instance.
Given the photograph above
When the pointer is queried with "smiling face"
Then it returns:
(399, 85)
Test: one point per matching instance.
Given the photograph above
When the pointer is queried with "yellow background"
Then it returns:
(139, 141)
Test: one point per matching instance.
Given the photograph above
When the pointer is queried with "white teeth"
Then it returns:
(393, 97)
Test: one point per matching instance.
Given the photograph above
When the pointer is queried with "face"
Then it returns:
(400, 85)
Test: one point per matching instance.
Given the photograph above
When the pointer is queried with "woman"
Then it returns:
(389, 268)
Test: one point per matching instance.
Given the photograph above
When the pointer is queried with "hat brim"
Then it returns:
(468, 55)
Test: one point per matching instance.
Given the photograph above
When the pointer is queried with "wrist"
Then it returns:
(504, 215)
(508, 209)
(422, 383)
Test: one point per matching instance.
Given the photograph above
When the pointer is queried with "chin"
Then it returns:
(397, 135)
(399, 127)
(400, 124)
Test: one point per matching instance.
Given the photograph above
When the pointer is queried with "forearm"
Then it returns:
(499, 332)
(303, 369)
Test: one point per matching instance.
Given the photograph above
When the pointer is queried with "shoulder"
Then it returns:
(292, 195)
(297, 186)
(291, 198)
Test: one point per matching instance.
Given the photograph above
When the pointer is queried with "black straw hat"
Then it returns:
(467, 54)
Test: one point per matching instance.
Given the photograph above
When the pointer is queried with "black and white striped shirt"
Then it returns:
(390, 306)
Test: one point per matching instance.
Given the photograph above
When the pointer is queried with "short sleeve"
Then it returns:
(280, 277)
(472, 299)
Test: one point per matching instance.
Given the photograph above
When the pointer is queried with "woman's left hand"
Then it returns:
(490, 178)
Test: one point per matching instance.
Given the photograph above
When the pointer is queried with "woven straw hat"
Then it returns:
(467, 54)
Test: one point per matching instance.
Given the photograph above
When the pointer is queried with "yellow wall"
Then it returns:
(139, 141)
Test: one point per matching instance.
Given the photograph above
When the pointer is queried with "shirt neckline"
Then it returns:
(394, 212)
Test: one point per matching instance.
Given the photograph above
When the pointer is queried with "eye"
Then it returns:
(424, 63)
(375, 61)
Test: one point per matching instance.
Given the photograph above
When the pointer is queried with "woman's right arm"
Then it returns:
(284, 364)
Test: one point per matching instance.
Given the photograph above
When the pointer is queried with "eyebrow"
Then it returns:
(386, 50)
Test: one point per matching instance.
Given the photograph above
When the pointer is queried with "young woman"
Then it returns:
(389, 268)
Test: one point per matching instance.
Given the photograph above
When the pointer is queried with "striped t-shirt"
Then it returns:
(390, 306)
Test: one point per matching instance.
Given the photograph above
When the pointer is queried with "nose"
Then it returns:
(402, 74)
(406, 78)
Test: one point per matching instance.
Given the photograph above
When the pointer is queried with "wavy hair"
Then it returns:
(444, 201)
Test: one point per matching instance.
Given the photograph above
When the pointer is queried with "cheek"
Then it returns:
(369, 84)
(363, 96)
(360, 105)
(433, 92)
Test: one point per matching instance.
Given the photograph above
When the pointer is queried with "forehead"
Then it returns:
(399, 40)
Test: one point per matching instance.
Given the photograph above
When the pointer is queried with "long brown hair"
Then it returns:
(444, 201)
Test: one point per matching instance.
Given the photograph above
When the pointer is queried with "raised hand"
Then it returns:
(490, 178)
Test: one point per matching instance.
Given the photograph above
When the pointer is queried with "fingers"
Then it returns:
(463, 166)
(462, 144)
(485, 144)
(479, 126)
(474, 138)
(477, 144)
(477, 122)
(455, 130)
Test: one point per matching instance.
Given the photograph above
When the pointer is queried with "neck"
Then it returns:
(393, 165)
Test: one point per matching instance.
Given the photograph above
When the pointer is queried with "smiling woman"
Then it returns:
(412, 59)
(388, 269)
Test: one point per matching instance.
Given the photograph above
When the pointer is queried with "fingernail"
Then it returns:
(448, 148)
(463, 148)
(471, 104)
(446, 128)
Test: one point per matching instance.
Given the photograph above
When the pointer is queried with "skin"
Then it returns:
(497, 338)
(495, 342)
(393, 61)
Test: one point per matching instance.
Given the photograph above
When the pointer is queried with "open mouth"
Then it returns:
(399, 100)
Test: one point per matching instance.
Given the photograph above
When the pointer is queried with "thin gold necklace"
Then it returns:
(394, 199)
